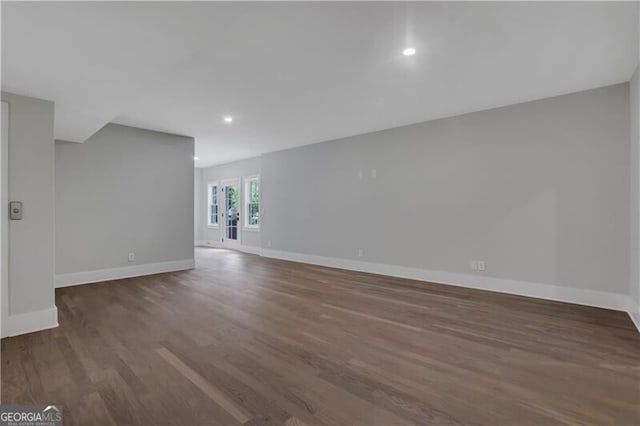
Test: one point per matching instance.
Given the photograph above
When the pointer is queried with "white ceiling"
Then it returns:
(298, 73)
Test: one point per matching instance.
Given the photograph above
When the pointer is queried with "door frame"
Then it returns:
(224, 241)
(4, 218)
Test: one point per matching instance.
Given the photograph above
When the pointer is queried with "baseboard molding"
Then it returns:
(208, 243)
(86, 277)
(216, 244)
(249, 249)
(635, 318)
(600, 299)
(29, 322)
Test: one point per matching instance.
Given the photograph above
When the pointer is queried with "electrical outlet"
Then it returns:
(132, 257)
(474, 265)
(360, 174)
(360, 252)
(480, 265)
(374, 173)
(269, 243)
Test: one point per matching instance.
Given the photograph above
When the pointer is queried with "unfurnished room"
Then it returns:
(320, 213)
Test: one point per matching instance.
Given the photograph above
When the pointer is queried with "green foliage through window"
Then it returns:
(253, 203)
(232, 197)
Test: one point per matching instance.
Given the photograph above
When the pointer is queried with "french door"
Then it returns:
(230, 191)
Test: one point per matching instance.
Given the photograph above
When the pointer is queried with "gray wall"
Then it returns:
(539, 191)
(238, 169)
(123, 190)
(635, 187)
(31, 240)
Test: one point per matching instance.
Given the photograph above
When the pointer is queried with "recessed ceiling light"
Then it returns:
(195, 158)
(228, 119)
(409, 51)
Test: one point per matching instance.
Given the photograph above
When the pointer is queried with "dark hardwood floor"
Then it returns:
(248, 340)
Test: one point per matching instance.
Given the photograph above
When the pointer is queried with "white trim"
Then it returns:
(635, 318)
(29, 322)
(619, 302)
(4, 220)
(86, 277)
(208, 243)
(250, 249)
(216, 244)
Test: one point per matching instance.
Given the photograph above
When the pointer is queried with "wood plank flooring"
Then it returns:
(248, 340)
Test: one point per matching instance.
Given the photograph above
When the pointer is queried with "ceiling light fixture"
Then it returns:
(195, 158)
(228, 119)
(409, 51)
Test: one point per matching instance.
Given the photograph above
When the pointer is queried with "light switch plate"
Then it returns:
(15, 210)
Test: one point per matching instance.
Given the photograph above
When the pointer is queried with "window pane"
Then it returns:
(252, 198)
(213, 220)
(253, 217)
(232, 196)
(254, 191)
(213, 205)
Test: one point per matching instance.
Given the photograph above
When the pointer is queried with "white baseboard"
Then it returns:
(635, 318)
(208, 243)
(29, 322)
(600, 299)
(86, 277)
(216, 244)
(249, 249)
(634, 313)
